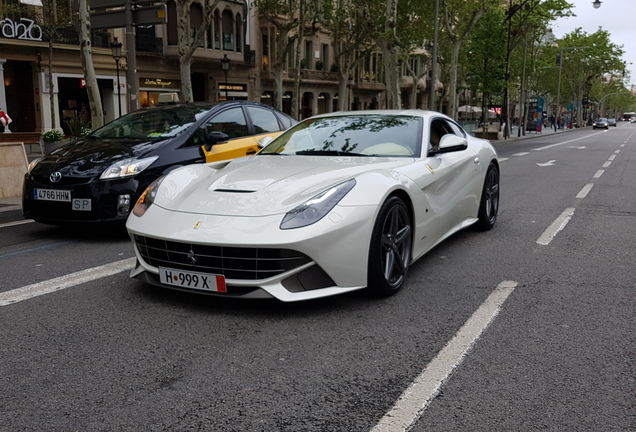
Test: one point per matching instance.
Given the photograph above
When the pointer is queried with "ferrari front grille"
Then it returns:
(231, 262)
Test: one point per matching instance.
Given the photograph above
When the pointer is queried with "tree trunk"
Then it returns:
(86, 54)
(452, 85)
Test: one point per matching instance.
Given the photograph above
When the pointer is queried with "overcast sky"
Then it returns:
(618, 17)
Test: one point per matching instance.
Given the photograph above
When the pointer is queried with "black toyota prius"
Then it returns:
(98, 178)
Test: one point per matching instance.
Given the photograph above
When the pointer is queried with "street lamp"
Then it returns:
(560, 71)
(225, 64)
(596, 4)
(115, 46)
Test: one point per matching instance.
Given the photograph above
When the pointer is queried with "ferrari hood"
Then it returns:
(261, 185)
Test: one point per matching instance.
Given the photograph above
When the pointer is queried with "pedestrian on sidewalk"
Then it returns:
(553, 122)
(559, 124)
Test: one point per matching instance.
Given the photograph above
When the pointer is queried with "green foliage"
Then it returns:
(78, 127)
(52, 136)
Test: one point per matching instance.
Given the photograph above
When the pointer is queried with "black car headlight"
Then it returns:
(147, 198)
(127, 167)
(32, 164)
(314, 209)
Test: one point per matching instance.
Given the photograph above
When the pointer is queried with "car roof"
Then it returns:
(406, 112)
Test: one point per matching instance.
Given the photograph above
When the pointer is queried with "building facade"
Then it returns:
(43, 83)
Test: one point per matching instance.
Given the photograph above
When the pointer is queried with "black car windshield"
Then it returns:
(351, 135)
(158, 123)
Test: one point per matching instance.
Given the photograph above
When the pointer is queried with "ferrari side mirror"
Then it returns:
(450, 143)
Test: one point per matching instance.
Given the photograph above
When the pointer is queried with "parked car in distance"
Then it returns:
(600, 123)
(632, 119)
(97, 178)
(611, 122)
(339, 202)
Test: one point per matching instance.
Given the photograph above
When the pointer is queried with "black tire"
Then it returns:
(390, 248)
(489, 204)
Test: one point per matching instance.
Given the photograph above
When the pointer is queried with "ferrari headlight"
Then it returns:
(127, 167)
(147, 198)
(317, 207)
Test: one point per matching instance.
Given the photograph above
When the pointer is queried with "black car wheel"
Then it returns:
(489, 205)
(390, 248)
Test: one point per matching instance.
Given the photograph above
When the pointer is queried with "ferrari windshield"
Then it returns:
(351, 135)
(159, 123)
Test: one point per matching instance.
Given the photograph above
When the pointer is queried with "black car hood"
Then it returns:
(88, 158)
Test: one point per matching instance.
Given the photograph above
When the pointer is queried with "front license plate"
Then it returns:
(52, 195)
(82, 204)
(193, 280)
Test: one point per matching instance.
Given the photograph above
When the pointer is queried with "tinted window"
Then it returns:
(285, 121)
(151, 123)
(231, 122)
(264, 120)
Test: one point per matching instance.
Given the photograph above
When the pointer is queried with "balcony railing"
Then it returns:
(101, 39)
(149, 44)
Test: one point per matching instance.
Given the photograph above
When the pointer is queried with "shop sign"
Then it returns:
(158, 82)
(26, 29)
(233, 87)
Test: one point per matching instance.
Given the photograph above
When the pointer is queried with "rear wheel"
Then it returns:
(390, 248)
(489, 205)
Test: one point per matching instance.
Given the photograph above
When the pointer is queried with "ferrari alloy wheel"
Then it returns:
(390, 248)
(489, 204)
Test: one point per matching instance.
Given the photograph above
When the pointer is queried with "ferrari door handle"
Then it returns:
(250, 152)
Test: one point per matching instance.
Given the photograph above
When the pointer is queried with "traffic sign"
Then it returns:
(107, 4)
(147, 15)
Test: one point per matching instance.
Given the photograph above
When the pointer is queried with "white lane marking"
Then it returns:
(617, 151)
(416, 398)
(599, 173)
(548, 163)
(556, 226)
(565, 142)
(612, 157)
(521, 154)
(606, 164)
(15, 223)
(66, 281)
(586, 189)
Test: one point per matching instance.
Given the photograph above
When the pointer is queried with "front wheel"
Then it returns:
(390, 248)
(489, 204)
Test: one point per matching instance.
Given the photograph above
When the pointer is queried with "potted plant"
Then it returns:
(52, 139)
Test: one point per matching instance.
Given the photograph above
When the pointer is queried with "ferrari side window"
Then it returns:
(437, 132)
(264, 120)
(457, 130)
(231, 122)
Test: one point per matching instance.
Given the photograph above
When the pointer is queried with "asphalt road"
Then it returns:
(526, 327)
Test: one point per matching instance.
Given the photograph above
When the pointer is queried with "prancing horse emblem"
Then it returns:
(192, 257)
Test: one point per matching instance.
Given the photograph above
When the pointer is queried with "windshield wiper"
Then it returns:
(327, 153)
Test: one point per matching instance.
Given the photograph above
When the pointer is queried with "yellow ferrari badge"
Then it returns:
(430, 168)
(196, 225)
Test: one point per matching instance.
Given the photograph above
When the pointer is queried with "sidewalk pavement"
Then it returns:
(514, 133)
(15, 203)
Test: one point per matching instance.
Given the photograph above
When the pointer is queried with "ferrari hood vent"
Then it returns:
(233, 191)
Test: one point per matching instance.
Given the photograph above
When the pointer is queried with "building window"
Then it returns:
(228, 31)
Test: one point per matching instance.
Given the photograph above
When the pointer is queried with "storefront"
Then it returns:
(151, 88)
(232, 91)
